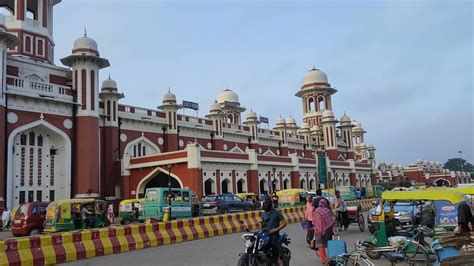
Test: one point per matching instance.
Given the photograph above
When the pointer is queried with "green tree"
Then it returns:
(454, 164)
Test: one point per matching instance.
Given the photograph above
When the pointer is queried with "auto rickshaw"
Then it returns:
(65, 215)
(291, 197)
(158, 199)
(130, 210)
(249, 196)
(384, 224)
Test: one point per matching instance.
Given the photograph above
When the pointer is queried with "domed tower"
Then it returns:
(280, 127)
(32, 22)
(86, 62)
(329, 130)
(306, 132)
(217, 118)
(230, 105)
(252, 122)
(291, 125)
(316, 96)
(346, 130)
(170, 108)
(7, 41)
(358, 132)
(110, 138)
(317, 135)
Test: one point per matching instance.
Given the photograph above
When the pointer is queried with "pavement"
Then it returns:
(220, 251)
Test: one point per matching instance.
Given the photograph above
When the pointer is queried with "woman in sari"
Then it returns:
(324, 226)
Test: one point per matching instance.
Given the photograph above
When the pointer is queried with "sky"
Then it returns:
(404, 69)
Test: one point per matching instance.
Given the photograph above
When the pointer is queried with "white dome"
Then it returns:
(315, 128)
(357, 124)
(109, 84)
(345, 118)
(305, 126)
(251, 115)
(315, 76)
(215, 107)
(227, 96)
(328, 113)
(290, 121)
(169, 97)
(280, 121)
(85, 43)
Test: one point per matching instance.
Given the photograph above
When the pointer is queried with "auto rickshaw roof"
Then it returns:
(451, 196)
(291, 191)
(463, 190)
(245, 194)
(127, 201)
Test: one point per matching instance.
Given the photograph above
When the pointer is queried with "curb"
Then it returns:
(72, 246)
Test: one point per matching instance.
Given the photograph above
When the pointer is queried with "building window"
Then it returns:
(310, 103)
(108, 110)
(40, 47)
(30, 14)
(92, 90)
(28, 44)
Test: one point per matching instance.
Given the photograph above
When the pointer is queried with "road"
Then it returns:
(219, 251)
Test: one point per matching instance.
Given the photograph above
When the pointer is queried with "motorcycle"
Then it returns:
(257, 251)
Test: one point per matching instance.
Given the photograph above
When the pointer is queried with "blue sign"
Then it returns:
(446, 213)
(231, 105)
(264, 119)
(190, 105)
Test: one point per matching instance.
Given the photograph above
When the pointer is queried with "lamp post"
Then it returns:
(334, 178)
(169, 187)
(460, 161)
(272, 181)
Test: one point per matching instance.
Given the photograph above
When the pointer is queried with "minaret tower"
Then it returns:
(252, 122)
(86, 63)
(329, 130)
(110, 138)
(217, 118)
(316, 96)
(346, 131)
(280, 127)
(7, 41)
(170, 131)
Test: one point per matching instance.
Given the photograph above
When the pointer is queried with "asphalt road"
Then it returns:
(219, 251)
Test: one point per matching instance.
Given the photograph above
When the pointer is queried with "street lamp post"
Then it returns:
(334, 178)
(460, 161)
(169, 187)
(272, 181)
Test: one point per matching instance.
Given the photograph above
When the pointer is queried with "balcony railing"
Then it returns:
(42, 88)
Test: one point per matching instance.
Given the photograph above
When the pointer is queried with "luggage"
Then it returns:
(336, 247)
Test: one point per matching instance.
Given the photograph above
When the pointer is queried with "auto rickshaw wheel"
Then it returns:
(371, 253)
(361, 222)
(125, 221)
(34, 231)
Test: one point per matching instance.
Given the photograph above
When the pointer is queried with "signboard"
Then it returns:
(322, 171)
(446, 213)
(264, 119)
(231, 105)
(190, 105)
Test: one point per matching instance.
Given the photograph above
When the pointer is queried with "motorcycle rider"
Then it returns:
(273, 222)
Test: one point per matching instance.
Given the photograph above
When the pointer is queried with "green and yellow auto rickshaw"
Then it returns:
(292, 197)
(157, 200)
(130, 210)
(384, 223)
(65, 215)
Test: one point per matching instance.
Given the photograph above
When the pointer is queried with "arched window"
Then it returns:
(30, 14)
(321, 105)
(303, 184)
(225, 186)
(310, 104)
(4, 10)
(230, 119)
(108, 111)
(286, 184)
(209, 185)
(241, 186)
(40, 48)
(28, 44)
(263, 186)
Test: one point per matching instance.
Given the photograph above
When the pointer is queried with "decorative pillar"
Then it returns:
(281, 129)
(217, 118)
(170, 108)
(252, 122)
(86, 63)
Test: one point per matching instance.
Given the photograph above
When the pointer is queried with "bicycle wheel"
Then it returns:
(410, 250)
(421, 257)
(361, 222)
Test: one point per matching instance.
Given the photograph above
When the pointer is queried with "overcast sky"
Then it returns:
(402, 68)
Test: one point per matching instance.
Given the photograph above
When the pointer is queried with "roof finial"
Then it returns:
(85, 32)
(314, 67)
(109, 75)
(169, 89)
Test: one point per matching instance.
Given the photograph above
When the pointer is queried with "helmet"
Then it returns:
(266, 203)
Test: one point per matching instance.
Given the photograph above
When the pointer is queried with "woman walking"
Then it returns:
(111, 213)
(324, 226)
(309, 219)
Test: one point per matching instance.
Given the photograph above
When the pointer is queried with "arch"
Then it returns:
(241, 185)
(226, 186)
(303, 183)
(358, 182)
(286, 184)
(263, 186)
(310, 103)
(367, 182)
(230, 119)
(67, 157)
(142, 184)
(209, 187)
(312, 184)
(340, 182)
(6, 11)
(442, 182)
(275, 184)
(321, 103)
(129, 148)
(30, 14)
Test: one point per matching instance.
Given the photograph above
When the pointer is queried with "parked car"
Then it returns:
(29, 218)
(411, 212)
(224, 203)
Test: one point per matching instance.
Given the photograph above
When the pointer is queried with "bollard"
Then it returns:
(166, 215)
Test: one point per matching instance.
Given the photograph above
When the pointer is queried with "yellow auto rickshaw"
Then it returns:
(130, 210)
(65, 215)
(292, 197)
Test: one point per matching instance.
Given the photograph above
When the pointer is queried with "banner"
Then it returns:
(322, 171)
(190, 105)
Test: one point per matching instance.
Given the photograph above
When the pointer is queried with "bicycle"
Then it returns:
(353, 258)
